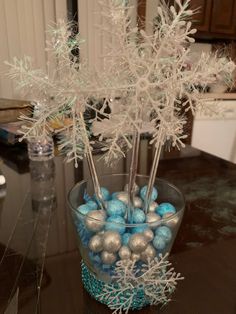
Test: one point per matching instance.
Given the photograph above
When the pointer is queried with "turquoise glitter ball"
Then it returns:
(165, 208)
(92, 204)
(139, 229)
(113, 195)
(95, 288)
(143, 192)
(138, 216)
(159, 242)
(84, 209)
(164, 232)
(105, 194)
(125, 238)
(115, 223)
(116, 208)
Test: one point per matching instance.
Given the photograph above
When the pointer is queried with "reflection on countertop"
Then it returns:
(208, 227)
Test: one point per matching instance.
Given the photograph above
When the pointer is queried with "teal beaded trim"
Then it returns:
(95, 287)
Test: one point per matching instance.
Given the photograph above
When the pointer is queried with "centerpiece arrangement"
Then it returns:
(126, 223)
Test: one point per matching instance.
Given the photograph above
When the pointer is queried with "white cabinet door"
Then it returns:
(217, 135)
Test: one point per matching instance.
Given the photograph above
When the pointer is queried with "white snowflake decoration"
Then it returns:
(153, 77)
(150, 75)
(156, 279)
(61, 93)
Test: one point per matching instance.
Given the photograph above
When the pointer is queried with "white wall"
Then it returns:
(22, 32)
(90, 22)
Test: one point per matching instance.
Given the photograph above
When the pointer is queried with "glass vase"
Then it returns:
(40, 148)
(98, 265)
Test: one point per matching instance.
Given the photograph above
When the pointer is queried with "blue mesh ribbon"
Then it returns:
(95, 287)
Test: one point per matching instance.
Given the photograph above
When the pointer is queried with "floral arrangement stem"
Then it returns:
(94, 176)
(133, 173)
(91, 166)
(153, 172)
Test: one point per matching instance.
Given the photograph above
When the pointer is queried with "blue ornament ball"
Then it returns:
(138, 216)
(113, 195)
(116, 208)
(159, 243)
(92, 204)
(84, 209)
(143, 192)
(84, 234)
(139, 229)
(164, 232)
(106, 268)
(105, 194)
(125, 238)
(115, 223)
(95, 258)
(165, 208)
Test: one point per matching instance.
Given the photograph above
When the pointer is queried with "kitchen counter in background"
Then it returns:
(216, 134)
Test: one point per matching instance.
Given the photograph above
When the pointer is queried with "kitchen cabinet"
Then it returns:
(223, 20)
(215, 18)
(202, 18)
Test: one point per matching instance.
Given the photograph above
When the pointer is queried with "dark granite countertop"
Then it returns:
(204, 250)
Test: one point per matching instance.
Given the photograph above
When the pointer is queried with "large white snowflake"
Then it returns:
(63, 95)
(156, 278)
(153, 77)
(147, 78)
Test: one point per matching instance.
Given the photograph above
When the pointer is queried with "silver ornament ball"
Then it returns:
(123, 196)
(171, 222)
(136, 188)
(108, 258)
(135, 257)
(152, 207)
(138, 203)
(124, 252)
(138, 243)
(149, 235)
(148, 254)
(95, 243)
(153, 219)
(95, 219)
(111, 241)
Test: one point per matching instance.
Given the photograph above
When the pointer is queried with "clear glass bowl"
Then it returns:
(115, 183)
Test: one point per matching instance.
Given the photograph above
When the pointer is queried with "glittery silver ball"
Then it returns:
(149, 235)
(135, 257)
(153, 219)
(138, 203)
(95, 219)
(124, 252)
(108, 258)
(153, 205)
(149, 253)
(138, 243)
(123, 196)
(95, 243)
(136, 188)
(171, 222)
(111, 241)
